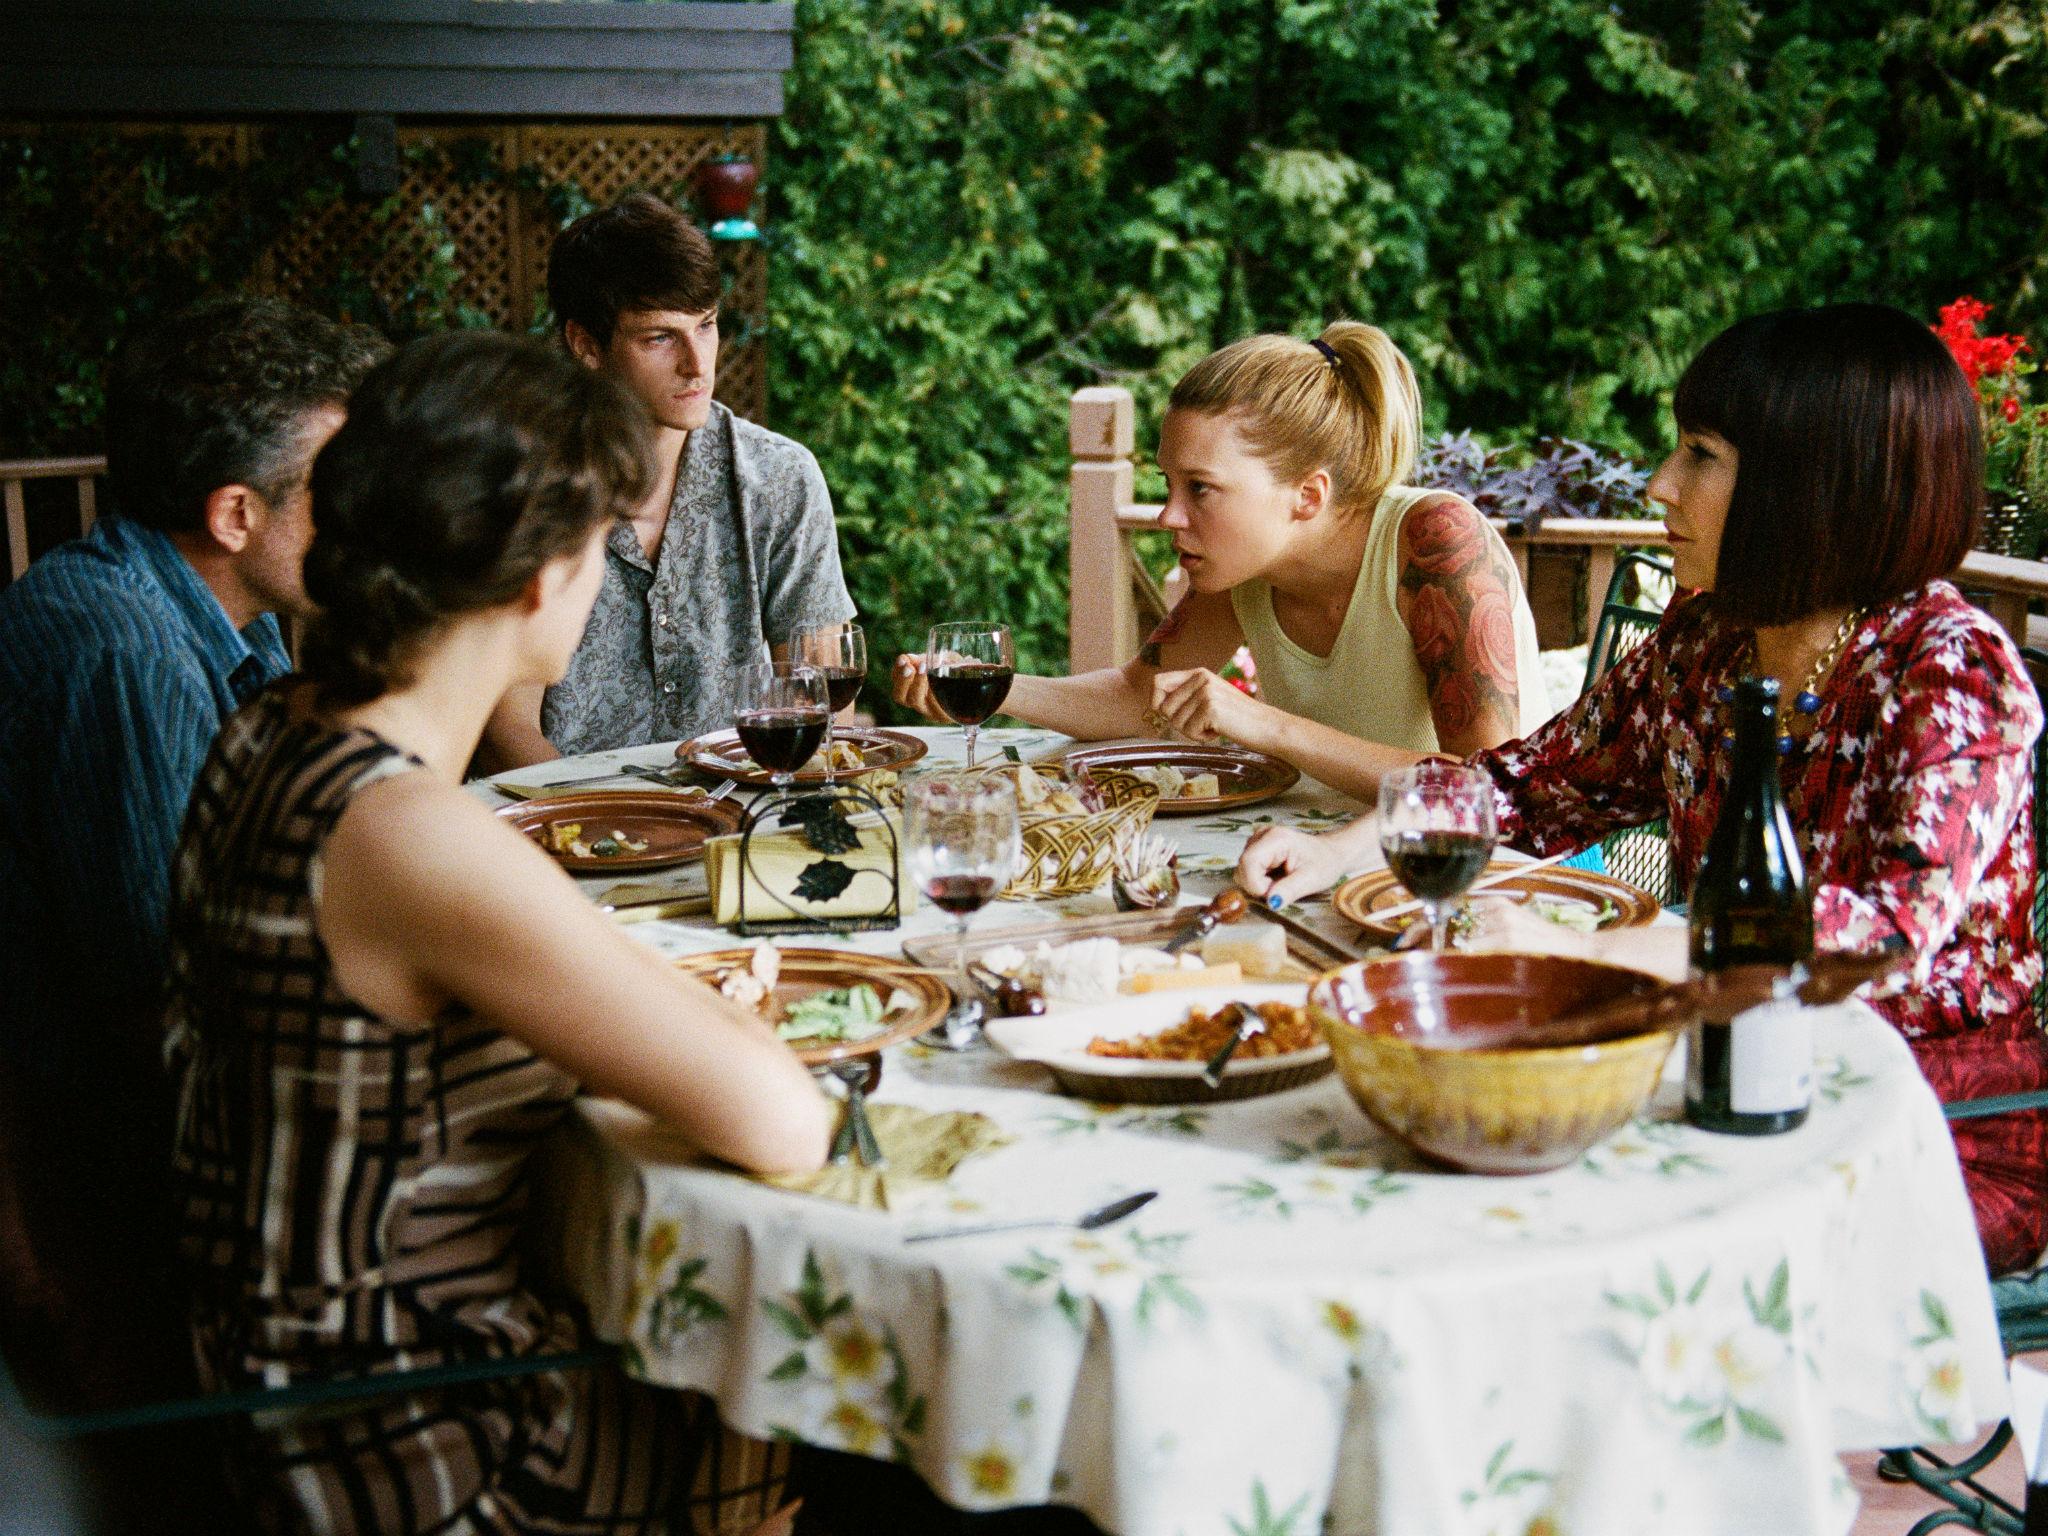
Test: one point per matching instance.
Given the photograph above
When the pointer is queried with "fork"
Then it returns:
(675, 778)
(856, 1137)
(624, 771)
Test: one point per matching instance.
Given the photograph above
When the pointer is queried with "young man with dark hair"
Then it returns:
(121, 654)
(734, 550)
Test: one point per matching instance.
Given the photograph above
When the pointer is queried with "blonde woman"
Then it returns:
(1385, 620)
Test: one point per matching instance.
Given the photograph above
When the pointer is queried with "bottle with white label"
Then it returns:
(1751, 1075)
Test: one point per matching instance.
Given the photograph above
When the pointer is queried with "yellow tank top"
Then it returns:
(1370, 685)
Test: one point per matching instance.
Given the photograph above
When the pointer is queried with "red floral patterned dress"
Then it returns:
(1913, 801)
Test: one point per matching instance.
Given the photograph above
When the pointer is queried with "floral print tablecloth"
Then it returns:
(1309, 1331)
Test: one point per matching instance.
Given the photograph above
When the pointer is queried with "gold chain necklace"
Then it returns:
(1806, 702)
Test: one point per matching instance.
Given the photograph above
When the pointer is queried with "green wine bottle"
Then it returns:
(1752, 1074)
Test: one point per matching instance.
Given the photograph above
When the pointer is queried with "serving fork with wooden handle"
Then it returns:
(1720, 995)
(1226, 907)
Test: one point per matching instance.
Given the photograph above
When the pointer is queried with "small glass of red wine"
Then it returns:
(961, 846)
(782, 715)
(1437, 830)
(969, 667)
(840, 651)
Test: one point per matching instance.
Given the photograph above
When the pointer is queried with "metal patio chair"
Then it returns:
(1639, 855)
(2021, 1301)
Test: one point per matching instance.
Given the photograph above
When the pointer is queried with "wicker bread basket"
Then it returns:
(1070, 853)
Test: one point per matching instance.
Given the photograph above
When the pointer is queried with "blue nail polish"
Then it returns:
(1275, 902)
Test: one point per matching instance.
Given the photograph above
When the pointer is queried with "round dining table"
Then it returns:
(1310, 1330)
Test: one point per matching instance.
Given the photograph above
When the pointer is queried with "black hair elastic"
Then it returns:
(1329, 352)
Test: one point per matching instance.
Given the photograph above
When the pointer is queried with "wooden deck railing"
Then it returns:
(1115, 599)
(14, 475)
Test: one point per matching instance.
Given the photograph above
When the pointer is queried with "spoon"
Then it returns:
(1011, 997)
(1225, 907)
(1249, 1022)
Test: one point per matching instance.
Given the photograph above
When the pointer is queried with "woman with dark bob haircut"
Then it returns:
(1827, 478)
(382, 996)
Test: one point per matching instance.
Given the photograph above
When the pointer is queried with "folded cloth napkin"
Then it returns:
(920, 1147)
(788, 878)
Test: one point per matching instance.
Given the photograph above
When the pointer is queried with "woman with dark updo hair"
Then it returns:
(1828, 478)
(383, 996)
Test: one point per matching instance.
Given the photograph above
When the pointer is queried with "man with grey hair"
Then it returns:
(121, 654)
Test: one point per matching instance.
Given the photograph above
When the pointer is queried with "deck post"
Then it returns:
(1103, 624)
(1599, 577)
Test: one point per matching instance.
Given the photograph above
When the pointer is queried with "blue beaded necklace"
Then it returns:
(1806, 702)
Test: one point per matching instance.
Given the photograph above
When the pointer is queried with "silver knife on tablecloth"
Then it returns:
(1101, 1216)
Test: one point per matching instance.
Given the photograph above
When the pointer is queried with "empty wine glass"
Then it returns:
(969, 667)
(1437, 830)
(961, 845)
(840, 651)
(781, 716)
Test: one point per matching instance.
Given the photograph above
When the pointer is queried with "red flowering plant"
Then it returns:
(2015, 429)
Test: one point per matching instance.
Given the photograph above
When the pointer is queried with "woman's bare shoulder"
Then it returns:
(414, 829)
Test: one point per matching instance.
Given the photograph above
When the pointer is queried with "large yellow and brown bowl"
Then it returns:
(1447, 1053)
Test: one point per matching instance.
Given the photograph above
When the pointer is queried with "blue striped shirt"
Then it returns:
(117, 667)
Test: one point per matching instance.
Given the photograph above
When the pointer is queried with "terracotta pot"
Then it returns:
(727, 185)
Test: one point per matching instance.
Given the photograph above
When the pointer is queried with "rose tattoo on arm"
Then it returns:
(1456, 598)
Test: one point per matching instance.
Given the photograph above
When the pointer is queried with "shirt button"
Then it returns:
(668, 687)
(664, 621)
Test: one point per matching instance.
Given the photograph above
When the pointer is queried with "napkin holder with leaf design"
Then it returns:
(834, 861)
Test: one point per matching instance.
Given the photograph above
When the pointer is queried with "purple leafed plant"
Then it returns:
(1559, 478)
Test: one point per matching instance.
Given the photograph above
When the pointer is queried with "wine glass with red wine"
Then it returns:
(969, 667)
(782, 714)
(1437, 830)
(840, 651)
(961, 846)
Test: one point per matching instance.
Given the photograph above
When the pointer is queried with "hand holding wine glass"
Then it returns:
(961, 846)
(781, 716)
(840, 651)
(1437, 830)
(969, 668)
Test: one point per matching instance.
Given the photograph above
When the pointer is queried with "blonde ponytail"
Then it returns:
(1346, 402)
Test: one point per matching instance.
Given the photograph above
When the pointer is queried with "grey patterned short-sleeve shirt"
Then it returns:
(750, 556)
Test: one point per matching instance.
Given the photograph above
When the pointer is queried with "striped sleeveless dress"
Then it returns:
(351, 1189)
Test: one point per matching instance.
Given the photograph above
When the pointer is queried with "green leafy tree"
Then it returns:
(1550, 203)
(977, 206)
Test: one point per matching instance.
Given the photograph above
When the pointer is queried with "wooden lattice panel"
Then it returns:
(389, 245)
(607, 160)
(118, 196)
(743, 378)
(500, 229)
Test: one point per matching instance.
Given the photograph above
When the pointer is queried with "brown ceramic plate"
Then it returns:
(721, 754)
(805, 971)
(1362, 897)
(674, 827)
(1245, 777)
